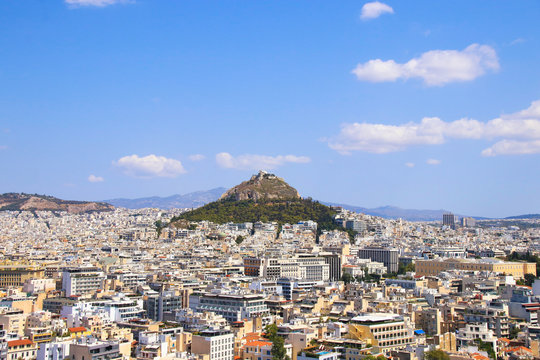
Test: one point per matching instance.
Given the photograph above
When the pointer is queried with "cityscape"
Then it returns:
(412, 231)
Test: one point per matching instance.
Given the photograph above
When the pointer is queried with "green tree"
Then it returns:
(347, 278)
(278, 349)
(278, 344)
(487, 347)
(436, 355)
(270, 331)
(239, 239)
(159, 227)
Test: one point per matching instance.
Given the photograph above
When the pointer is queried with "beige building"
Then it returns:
(21, 349)
(386, 331)
(436, 266)
(16, 274)
(13, 322)
(93, 350)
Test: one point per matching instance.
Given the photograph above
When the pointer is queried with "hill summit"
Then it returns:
(262, 186)
(35, 202)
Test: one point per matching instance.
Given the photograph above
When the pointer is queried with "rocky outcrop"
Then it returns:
(262, 186)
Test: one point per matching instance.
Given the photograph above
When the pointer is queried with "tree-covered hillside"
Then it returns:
(281, 211)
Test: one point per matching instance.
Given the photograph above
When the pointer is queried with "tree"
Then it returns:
(270, 331)
(159, 227)
(278, 344)
(347, 278)
(239, 239)
(529, 279)
(487, 347)
(278, 349)
(436, 355)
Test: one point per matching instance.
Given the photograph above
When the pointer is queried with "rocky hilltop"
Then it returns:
(262, 186)
(34, 202)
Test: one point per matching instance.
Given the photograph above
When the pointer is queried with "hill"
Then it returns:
(522, 217)
(263, 186)
(190, 200)
(264, 197)
(34, 202)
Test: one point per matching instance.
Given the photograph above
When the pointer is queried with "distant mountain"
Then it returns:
(394, 212)
(35, 202)
(190, 200)
(527, 216)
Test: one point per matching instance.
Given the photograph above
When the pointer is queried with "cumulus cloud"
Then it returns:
(150, 166)
(435, 67)
(257, 162)
(518, 133)
(97, 3)
(513, 147)
(197, 157)
(409, 164)
(433, 162)
(95, 179)
(372, 10)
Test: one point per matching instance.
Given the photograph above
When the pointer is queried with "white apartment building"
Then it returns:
(54, 350)
(466, 336)
(82, 281)
(218, 344)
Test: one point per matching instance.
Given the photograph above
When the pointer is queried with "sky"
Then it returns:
(416, 104)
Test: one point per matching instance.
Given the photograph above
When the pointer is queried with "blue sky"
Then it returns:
(418, 104)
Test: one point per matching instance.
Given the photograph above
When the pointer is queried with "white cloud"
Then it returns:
(94, 179)
(197, 157)
(519, 133)
(513, 147)
(435, 67)
(380, 138)
(150, 166)
(257, 162)
(372, 10)
(433, 162)
(3, 147)
(97, 3)
(409, 164)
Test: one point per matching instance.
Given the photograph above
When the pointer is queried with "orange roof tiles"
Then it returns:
(19, 342)
(259, 343)
(77, 329)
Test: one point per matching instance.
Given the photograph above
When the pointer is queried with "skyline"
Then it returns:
(416, 105)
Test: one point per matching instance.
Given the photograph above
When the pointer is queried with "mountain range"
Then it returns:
(190, 200)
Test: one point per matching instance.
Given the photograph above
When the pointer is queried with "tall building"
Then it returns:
(468, 222)
(450, 219)
(167, 301)
(82, 281)
(334, 265)
(389, 257)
